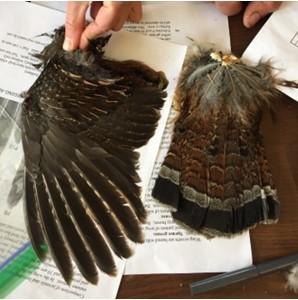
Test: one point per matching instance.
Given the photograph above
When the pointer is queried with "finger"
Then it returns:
(229, 8)
(136, 12)
(109, 17)
(74, 24)
(256, 10)
(95, 6)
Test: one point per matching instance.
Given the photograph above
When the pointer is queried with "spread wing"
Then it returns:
(80, 138)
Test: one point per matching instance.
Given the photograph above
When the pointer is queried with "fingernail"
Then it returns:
(252, 20)
(68, 44)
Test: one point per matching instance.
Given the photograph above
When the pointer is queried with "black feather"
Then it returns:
(92, 234)
(77, 246)
(118, 202)
(32, 220)
(52, 234)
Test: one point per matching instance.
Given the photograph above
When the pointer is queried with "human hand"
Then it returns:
(254, 11)
(107, 15)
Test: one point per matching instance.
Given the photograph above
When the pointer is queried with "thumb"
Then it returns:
(136, 12)
(74, 24)
(256, 10)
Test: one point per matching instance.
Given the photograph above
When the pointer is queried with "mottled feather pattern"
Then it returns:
(82, 121)
(215, 175)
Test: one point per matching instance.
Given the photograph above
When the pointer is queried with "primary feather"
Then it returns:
(82, 121)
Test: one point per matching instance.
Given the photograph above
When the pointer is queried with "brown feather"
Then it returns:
(82, 122)
(215, 174)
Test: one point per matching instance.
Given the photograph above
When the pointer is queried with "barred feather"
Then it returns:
(215, 175)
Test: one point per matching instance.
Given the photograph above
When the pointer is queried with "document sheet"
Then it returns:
(277, 41)
(168, 247)
(181, 22)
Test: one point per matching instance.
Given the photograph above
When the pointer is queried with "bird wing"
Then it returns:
(79, 137)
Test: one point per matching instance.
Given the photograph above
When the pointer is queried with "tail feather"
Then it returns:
(223, 175)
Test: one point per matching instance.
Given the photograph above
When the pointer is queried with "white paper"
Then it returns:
(57, 5)
(16, 40)
(277, 41)
(21, 24)
(11, 151)
(170, 248)
(182, 21)
(176, 21)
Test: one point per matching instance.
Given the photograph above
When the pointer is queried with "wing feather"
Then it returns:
(92, 235)
(109, 191)
(32, 220)
(82, 122)
(104, 218)
(77, 246)
(130, 191)
(116, 200)
(53, 237)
